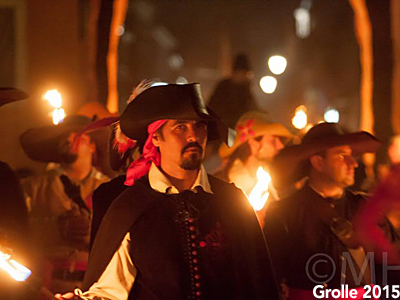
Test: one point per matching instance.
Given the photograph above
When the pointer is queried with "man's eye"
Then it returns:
(180, 127)
(341, 157)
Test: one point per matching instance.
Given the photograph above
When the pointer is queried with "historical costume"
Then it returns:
(308, 225)
(155, 242)
(60, 208)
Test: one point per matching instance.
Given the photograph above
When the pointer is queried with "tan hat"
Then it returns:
(253, 124)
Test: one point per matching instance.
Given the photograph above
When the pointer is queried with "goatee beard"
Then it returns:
(193, 161)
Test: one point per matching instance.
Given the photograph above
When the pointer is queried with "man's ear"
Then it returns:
(156, 139)
(317, 162)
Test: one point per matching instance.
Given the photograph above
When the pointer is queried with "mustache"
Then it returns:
(192, 145)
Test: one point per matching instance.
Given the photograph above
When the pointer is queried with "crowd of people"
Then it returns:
(166, 229)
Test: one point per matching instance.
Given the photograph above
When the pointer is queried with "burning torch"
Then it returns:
(260, 193)
(55, 100)
(19, 272)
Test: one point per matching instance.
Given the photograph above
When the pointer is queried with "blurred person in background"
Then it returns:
(232, 97)
(385, 171)
(257, 141)
(59, 200)
(14, 228)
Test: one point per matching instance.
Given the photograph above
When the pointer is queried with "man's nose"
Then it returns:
(278, 144)
(351, 161)
(192, 134)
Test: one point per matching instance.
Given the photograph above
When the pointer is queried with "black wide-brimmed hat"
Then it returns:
(173, 102)
(8, 95)
(290, 164)
(42, 143)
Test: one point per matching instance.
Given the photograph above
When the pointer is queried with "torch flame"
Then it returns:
(53, 97)
(14, 269)
(58, 115)
(259, 194)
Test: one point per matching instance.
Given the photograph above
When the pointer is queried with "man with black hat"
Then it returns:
(177, 232)
(232, 96)
(310, 233)
(59, 200)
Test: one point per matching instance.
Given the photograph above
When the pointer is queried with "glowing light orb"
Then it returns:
(331, 115)
(268, 84)
(277, 64)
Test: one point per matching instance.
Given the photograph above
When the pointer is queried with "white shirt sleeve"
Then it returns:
(117, 279)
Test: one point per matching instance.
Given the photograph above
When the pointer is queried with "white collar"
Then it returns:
(159, 182)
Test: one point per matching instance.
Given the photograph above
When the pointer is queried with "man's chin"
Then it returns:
(191, 162)
(349, 183)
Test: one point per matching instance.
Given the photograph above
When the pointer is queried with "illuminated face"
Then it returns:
(85, 149)
(338, 166)
(270, 145)
(182, 143)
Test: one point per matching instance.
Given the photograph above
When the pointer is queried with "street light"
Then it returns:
(268, 84)
(277, 64)
(331, 115)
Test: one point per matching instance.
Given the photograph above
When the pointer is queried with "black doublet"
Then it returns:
(187, 246)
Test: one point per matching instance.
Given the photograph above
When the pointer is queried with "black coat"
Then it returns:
(295, 233)
(13, 210)
(137, 210)
(102, 198)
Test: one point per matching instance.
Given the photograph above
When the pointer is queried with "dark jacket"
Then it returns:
(162, 271)
(230, 100)
(102, 198)
(295, 233)
(13, 210)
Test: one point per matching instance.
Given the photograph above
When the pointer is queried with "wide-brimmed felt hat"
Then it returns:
(42, 143)
(8, 95)
(172, 102)
(290, 164)
(253, 124)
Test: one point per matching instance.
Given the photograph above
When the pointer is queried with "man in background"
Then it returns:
(59, 200)
(232, 96)
(257, 141)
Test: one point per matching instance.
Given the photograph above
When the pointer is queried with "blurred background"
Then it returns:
(97, 51)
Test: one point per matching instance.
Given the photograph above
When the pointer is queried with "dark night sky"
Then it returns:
(323, 69)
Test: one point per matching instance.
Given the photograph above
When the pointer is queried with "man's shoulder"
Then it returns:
(218, 183)
(357, 196)
(114, 185)
(44, 177)
(292, 202)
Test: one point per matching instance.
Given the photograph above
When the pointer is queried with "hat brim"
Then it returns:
(171, 102)
(8, 95)
(289, 164)
(42, 143)
(275, 129)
